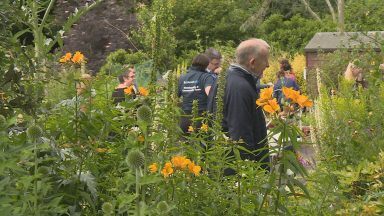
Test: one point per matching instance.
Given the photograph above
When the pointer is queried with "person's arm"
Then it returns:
(208, 82)
(207, 90)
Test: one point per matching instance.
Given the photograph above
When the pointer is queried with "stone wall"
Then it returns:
(101, 31)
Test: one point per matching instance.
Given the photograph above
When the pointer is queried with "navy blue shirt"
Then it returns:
(192, 87)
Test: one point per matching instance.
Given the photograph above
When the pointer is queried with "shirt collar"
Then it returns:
(242, 68)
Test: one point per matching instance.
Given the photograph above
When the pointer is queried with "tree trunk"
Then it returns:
(332, 11)
(309, 9)
(258, 17)
(340, 8)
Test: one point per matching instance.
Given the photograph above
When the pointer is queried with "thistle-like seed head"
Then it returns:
(135, 159)
(34, 132)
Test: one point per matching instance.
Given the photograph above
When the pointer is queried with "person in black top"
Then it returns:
(126, 80)
(195, 85)
(243, 119)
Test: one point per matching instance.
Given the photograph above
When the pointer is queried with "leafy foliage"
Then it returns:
(364, 15)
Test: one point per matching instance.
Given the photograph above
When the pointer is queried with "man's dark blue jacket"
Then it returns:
(243, 119)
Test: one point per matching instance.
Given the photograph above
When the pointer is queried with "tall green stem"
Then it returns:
(35, 180)
(137, 192)
(239, 188)
(284, 140)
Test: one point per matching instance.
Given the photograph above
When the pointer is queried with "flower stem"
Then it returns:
(239, 188)
(35, 180)
(138, 192)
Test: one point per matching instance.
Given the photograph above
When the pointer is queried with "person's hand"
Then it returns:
(217, 70)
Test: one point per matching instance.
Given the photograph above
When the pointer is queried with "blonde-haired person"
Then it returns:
(355, 73)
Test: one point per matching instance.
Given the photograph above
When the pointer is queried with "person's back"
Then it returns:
(241, 114)
(195, 85)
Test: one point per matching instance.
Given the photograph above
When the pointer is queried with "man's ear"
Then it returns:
(252, 61)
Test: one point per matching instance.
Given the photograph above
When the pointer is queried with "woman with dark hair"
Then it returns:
(287, 68)
(195, 85)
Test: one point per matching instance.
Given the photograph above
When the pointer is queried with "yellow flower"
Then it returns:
(194, 169)
(143, 91)
(291, 94)
(78, 57)
(167, 170)
(102, 150)
(128, 90)
(303, 101)
(65, 58)
(265, 95)
(180, 162)
(272, 106)
(204, 127)
(190, 129)
(140, 138)
(153, 168)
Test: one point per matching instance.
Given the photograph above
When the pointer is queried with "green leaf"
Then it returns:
(125, 201)
(150, 179)
(20, 33)
(236, 152)
(301, 186)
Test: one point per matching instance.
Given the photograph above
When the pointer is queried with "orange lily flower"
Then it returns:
(143, 91)
(272, 106)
